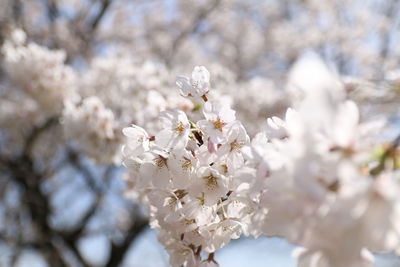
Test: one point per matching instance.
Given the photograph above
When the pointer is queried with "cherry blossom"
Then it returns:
(176, 129)
(198, 85)
(219, 119)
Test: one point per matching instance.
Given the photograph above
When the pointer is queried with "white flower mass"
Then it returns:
(308, 178)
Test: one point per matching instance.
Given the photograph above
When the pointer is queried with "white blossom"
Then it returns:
(198, 85)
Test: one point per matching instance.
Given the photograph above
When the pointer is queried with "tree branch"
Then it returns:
(118, 251)
(36, 132)
(105, 4)
(193, 28)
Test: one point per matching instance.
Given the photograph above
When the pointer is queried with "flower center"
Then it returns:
(186, 164)
(180, 193)
(218, 124)
(180, 128)
(160, 161)
(188, 221)
(236, 146)
(211, 181)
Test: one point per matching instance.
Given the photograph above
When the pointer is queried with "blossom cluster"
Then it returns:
(39, 72)
(94, 128)
(318, 184)
(36, 83)
(186, 175)
(311, 178)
